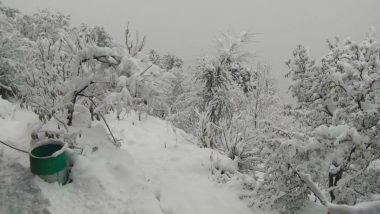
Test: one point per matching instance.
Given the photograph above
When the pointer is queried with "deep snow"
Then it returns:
(157, 170)
(178, 170)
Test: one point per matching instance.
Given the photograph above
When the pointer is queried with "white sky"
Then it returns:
(187, 28)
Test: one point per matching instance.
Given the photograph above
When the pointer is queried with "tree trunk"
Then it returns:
(73, 101)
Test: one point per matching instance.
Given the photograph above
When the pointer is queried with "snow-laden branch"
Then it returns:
(306, 178)
(6, 87)
(371, 207)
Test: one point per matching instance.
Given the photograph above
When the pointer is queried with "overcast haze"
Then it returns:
(187, 28)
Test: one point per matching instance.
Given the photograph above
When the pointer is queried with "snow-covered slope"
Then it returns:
(157, 170)
(177, 169)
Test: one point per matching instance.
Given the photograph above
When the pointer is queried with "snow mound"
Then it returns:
(6, 108)
(223, 163)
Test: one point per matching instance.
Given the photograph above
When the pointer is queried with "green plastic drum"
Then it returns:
(48, 161)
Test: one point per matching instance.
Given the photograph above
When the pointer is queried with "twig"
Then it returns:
(52, 114)
(114, 140)
(6, 87)
(104, 120)
(146, 69)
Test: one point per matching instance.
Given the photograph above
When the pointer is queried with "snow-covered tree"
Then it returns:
(13, 51)
(228, 97)
(353, 96)
(167, 62)
(170, 61)
(65, 70)
(184, 98)
(154, 57)
(309, 88)
(47, 21)
(61, 71)
(134, 44)
(215, 82)
(262, 96)
(223, 79)
(96, 34)
(337, 105)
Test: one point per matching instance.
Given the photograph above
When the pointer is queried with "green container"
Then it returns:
(51, 168)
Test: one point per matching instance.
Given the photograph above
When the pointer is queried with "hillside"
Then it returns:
(157, 170)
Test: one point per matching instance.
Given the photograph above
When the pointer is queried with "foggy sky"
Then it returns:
(187, 28)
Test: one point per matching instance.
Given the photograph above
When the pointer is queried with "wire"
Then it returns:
(20, 150)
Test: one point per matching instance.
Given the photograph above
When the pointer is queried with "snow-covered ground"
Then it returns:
(157, 170)
(178, 170)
